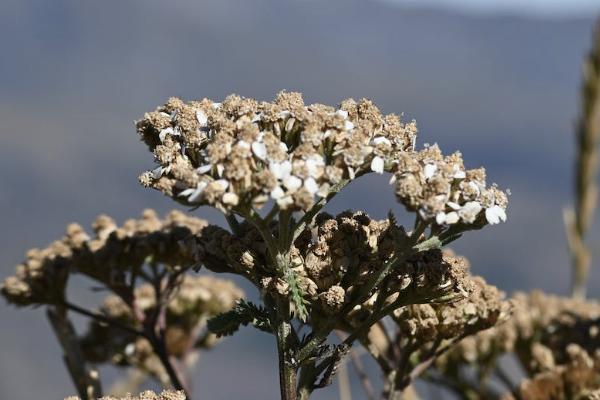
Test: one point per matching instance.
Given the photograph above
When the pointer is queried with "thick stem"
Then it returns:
(287, 366)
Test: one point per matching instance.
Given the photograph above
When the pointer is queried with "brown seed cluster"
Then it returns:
(578, 378)
(440, 189)
(106, 256)
(196, 299)
(147, 395)
(555, 339)
(481, 309)
(242, 152)
(336, 258)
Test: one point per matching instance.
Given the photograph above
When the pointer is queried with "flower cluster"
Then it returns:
(195, 300)
(554, 339)
(147, 395)
(333, 261)
(244, 152)
(440, 189)
(578, 378)
(481, 309)
(106, 256)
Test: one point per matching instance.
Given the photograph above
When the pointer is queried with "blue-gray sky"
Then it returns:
(502, 88)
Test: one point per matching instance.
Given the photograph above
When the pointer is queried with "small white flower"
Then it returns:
(292, 183)
(312, 165)
(348, 125)
(163, 134)
(429, 170)
(204, 168)
(220, 169)
(197, 193)
(342, 113)
(468, 213)
(440, 218)
(202, 118)
(260, 150)
(216, 105)
(452, 218)
(381, 140)
(459, 174)
(377, 165)
(311, 186)
(351, 173)
(280, 170)
(186, 192)
(495, 214)
(277, 193)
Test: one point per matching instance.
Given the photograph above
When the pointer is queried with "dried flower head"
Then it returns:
(243, 152)
(107, 256)
(440, 189)
(147, 395)
(194, 301)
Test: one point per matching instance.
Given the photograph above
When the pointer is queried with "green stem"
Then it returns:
(287, 368)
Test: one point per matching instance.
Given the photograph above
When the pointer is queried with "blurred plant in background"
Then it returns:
(331, 287)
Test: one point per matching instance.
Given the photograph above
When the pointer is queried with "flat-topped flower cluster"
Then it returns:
(240, 153)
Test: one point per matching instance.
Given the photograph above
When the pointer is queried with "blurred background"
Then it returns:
(497, 80)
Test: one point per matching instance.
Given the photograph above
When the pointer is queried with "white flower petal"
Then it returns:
(348, 125)
(163, 134)
(197, 194)
(495, 214)
(277, 193)
(292, 183)
(459, 174)
(429, 170)
(283, 147)
(186, 192)
(260, 150)
(311, 186)
(201, 117)
(289, 125)
(381, 140)
(157, 172)
(204, 168)
(216, 105)
(342, 113)
(440, 218)
(377, 165)
(280, 170)
(452, 218)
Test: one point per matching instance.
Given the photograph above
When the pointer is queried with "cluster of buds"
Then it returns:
(147, 395)
(337, 257)
(195, 300)
(109, 256)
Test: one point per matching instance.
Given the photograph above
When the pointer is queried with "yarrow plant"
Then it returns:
(331, 288)
(271, 168)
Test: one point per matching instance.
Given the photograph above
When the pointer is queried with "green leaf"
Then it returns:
(242, 314)
(296, 295)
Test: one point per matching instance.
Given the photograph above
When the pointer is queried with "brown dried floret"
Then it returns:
(106, 256)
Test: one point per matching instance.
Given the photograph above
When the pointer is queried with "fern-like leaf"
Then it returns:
(244, 313)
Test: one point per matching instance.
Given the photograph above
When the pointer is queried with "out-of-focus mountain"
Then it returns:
(74, 75)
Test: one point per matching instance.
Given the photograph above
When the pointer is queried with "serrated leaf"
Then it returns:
(296, 295)
(243, 313)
